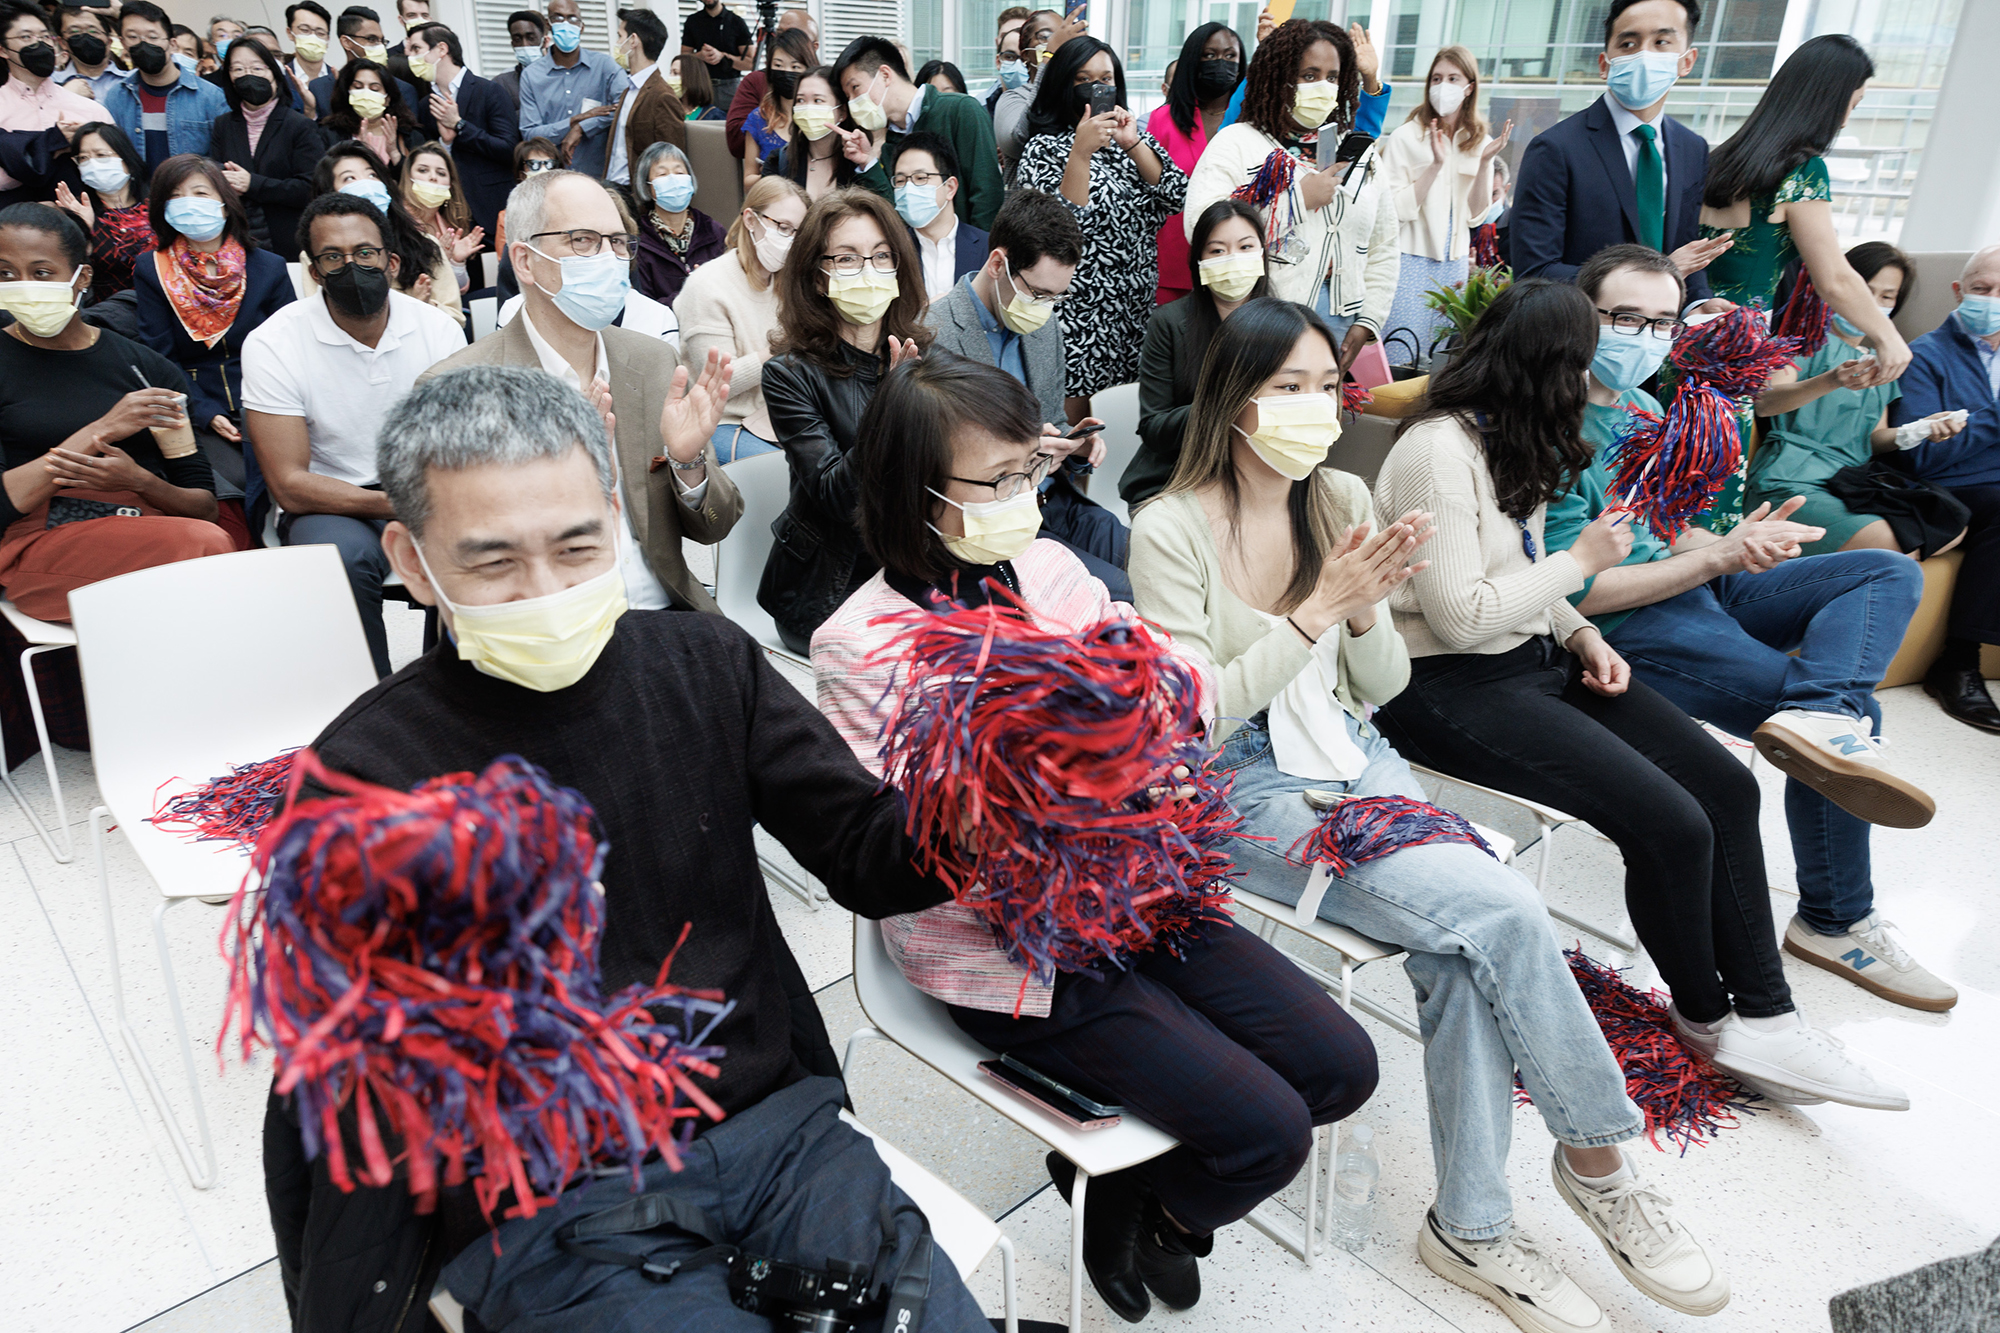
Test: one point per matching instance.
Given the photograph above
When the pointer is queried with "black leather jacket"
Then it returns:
(816, 557)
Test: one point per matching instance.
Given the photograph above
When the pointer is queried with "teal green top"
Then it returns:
(1578, 507)
(1807, 446)
(1748, 271)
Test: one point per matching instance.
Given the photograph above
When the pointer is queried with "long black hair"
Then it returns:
(1868, 259)
(281, 86)
(1059, 104)
(936, 67)
(1518, 384)
(796, 155)
(1798, 117)
(1203, 318)
(1183, 100)
(344, 121)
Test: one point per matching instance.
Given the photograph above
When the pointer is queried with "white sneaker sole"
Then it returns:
(1930, 1004)
(1783, 1096)
(1787, 1082)
(1530, 1317)
(1706, 1301)
(1866, 791)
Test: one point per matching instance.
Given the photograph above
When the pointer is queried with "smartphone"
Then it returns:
(1068, 1107)
(1079, 432)
(1103, 98)
(1351, 146)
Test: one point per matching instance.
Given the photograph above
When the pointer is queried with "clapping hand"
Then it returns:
(80, 206)
(694, 408)
(901, 350)
(1440, 143)
(463, 248)
(599, 394)
(1497, 142)
(238, 178)
(445, 112)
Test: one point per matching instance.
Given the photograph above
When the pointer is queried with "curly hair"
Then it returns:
(1274, 70)
(808, 324)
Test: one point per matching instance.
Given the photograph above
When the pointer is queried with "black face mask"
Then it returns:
(1215, 78)
(39, 60)
(357, 292)
(253, 89)
(784, 82)
(150, 59)
(88, 50)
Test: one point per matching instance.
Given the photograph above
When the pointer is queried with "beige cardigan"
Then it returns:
(1480, 594)
(1177, 583)
(1438, 226)
(719, 308)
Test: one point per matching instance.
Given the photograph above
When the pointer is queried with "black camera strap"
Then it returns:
(647, 1212)
(912, 1285)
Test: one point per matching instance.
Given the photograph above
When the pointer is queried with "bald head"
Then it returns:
(798, 18)
(1983, 261)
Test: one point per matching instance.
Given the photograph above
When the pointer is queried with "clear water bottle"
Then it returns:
(1355, 1172)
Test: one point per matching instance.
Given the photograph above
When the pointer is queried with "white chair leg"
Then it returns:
(1009, 1321)
(854, 1043)
(1076, 1193)
(1311, 1237)
(62, 837)
(1616, 941)
(787, 883)
(203, 1172)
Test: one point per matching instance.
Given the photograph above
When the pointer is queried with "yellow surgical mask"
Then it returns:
(676, 85)
(868, 113)
(428, 194)
(378, 54)
(1294, 432)
(310, 49)
(623, 57)
(367, 103)
(1313, 102)
(422, 68)
(814, 120)
(1232, 276)
(995, 530)
(542, 643)
(1023, 313)
(864, 297)
(44, 308)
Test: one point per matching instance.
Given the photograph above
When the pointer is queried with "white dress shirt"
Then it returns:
(1626, 122)
(643, 592)
(618, 167)
(940, 258)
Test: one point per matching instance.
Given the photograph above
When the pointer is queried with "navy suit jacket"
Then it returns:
(483, 147)
(969, 249)
(1574, 195)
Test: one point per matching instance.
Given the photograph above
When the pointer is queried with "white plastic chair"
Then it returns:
(899, 1013)
(43, 636)
(484, 312)
(965, 1234)
(301, 288)
(1118, 408)
(279, 624)
(765, 483)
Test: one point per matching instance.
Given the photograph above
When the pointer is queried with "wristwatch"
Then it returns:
(700, 462)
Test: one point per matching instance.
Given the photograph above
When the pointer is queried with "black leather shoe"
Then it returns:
(1166, 1259)
(1114, 1209)
(1961, 692)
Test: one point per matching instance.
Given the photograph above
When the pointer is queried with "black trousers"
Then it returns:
(1975, 598)
(1680, 807)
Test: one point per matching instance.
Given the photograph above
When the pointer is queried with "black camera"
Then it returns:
(792, 1296)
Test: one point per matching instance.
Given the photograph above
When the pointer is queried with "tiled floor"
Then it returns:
(103, 1231)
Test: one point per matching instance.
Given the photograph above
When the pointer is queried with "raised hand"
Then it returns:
(1266, 25)
(694, 407)
(80, 206)
(1095, 132)
(901, 351)
(1440, 143)
(1126, 135)
(1697, 255)
(1497, 142)
(1367, 61)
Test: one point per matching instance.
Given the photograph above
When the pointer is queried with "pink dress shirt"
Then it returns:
(21, 109)
(1186, 150)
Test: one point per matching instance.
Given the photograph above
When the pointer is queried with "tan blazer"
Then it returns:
(641, 370)
(656, 114)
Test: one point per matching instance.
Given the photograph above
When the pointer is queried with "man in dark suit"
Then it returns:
(1620, 170)
(925, 176)
(468, 114)
(359, 30)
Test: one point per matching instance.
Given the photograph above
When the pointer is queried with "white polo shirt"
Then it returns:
(299, 363)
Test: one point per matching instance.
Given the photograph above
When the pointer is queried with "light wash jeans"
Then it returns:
(1493, 991)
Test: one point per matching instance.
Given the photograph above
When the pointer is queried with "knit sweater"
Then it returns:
(1481, 592)
(1177, 583)
(682, 736)
(718, 308)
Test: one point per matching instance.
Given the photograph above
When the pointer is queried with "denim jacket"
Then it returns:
(192, 106)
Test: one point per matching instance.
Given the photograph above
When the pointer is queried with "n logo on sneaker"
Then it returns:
(1850, 744)
(1857, 958)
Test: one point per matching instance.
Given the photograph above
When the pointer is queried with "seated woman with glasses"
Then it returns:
(112, 207)
(850, 307)
(1259, 1054)
(675, 237)
(423, 269)
(732, 305)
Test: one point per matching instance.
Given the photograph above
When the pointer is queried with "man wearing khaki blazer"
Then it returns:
(551, 217)
(649, 111)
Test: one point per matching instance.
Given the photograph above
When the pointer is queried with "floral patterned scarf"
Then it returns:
(205, 290)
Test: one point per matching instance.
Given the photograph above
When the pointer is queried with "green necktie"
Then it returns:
(1652, 188)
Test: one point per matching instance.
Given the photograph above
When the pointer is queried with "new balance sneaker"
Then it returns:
(1873, 959)
(1652, 1248)
(1802, 1059)
(1704, 1042)
(1837, 757)
(1515, 1275)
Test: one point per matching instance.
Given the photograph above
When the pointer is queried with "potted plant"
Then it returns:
(1462, 304)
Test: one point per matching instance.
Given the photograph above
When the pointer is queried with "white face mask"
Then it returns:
(772, 248)
(1447, 97)
(995, 530)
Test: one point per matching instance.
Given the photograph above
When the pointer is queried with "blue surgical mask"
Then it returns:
(918, 204)
(222, 49)
(1013, 74)
(1979, 315)
(566, 36)
(1845, 326)
(1625, 361)
(594, 287)
(186, 61)
(1492, 214)
(1640, 80)
(374, 191)
(673, 192)
(196, 217)
(527, 55)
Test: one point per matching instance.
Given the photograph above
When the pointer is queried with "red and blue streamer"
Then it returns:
(1367, 828)
(424, 965)
(1805, 315)
(1667, 469)
(1271, 183)
(1037, 771)
(232, 808)
(1683, 1096)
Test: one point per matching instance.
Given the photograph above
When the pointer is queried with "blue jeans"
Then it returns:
(1091, 532)
(734, 440)
(1493, 991)
(1720, 652)
(359, 541)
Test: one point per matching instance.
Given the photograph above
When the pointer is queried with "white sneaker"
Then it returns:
(1873, 959)
(1705, 1044)
(1802, 1059)
(1837, 757)
(1655, 1252)
(1515, 1275)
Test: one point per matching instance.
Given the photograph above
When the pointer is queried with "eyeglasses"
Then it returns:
(775, 224)
(534, 164)
(917, 178)
(584, 242)
(330, 262)
(1625, 322)
(1012, 484)
(1034, 293)
(849, 265)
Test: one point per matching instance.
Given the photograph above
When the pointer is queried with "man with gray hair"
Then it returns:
(572, 257)
(1956, 368)
(683, 737)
